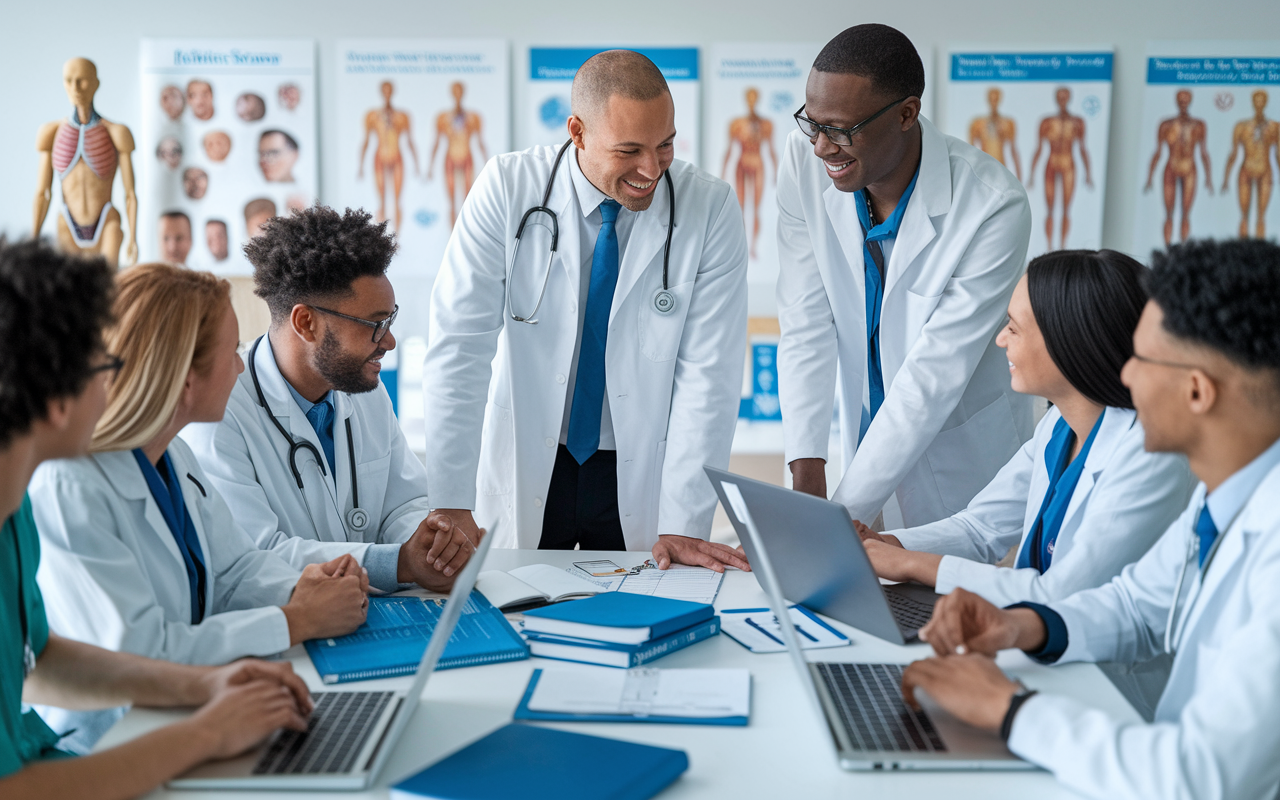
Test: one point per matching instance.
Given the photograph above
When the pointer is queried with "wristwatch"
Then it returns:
(1023, 695)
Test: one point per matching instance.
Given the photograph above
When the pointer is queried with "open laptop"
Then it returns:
(871, 727)
(820, 561)
(351, 733)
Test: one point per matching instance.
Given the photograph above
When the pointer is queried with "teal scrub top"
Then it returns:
(23, 736)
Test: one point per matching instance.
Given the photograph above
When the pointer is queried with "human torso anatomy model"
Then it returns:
(84, 152)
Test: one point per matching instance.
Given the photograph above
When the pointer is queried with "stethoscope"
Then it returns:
(664, 302)
(28, 652)
(1193, 552)
(357, 518)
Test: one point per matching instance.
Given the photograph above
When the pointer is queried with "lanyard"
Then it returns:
(28, 652)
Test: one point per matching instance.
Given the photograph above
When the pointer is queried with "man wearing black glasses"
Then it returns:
(310, 456)
(899, 248)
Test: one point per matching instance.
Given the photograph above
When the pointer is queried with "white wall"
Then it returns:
(36, 38)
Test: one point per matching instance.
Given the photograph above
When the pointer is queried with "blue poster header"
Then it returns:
(1202, 69)
(562, 63)
(1031, 66)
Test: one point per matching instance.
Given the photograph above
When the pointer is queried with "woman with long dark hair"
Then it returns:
(1082, 499)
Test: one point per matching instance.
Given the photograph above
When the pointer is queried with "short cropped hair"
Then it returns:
(176, 215)
(316, 253)
(1087, 304)
(615, 72)
(1222, 295)
(877, 52)
(53, 308)
(289, 141)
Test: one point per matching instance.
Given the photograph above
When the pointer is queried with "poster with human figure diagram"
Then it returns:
(1046, 116)
(228, 140)
(1209, 144)
(417, 120)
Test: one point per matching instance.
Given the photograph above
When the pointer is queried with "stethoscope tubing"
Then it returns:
(302, 444)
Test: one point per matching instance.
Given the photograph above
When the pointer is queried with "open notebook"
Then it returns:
(532, 586)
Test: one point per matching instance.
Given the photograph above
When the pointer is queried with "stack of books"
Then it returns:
(617, 629)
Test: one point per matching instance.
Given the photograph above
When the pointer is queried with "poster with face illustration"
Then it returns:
(1209, 146)
(228, 140)
(1046, 116)
(548, 77)
(417, 121)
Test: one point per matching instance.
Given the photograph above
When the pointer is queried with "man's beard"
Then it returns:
(344, 371)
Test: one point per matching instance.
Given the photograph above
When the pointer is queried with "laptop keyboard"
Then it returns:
(910, 614)
(872, 711)
(339, 726)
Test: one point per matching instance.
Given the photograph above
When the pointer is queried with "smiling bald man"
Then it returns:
(618, 371)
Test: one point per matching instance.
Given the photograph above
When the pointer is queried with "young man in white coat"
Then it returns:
(310, 456)
(899, 249)
(1205, 377)
(619, 364)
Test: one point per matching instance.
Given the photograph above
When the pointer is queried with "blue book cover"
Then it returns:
(534, 763)
(661, 615)
(612, 654)
(393, 638)
(524, 712)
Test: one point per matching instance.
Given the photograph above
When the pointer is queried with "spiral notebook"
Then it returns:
(394, 636)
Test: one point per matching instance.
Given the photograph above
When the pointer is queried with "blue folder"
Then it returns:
(532, 763)
(524, 712)
(661, 615)
(393, 638)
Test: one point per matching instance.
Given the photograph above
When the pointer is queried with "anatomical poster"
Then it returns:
(417, 119)
(1209, 144)
(753, 91)
(228, 140)
(1045, 115)
(548, 77)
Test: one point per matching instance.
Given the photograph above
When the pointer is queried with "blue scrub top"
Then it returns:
(167, 491)
(1037, 550)
(23, 735)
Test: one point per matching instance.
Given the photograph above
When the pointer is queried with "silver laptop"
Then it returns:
(821, 563)
(351, 733)
(871, 727)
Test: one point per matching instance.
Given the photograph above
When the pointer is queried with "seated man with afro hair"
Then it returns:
(310, 455)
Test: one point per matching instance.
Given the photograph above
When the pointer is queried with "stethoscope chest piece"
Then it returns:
(664, 302)
(357, 519)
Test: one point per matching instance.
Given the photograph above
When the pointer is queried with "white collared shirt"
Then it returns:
(589, 200)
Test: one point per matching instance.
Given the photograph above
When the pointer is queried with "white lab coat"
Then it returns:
(112, 575)
(1215, 733)
(949, 420)
(248, 461)
(1124, 501)
(673, 380)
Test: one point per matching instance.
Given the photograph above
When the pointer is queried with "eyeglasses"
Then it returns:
(113, 364)
(839, 136)
(380, 327)
(1160, 363)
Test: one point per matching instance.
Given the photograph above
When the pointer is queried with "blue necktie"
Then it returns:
(321, 418)
(1207, 532)
(588, 389)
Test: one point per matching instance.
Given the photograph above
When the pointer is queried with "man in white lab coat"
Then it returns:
(619, 364)
(899, 248)
(310, 457)
(1205, 377)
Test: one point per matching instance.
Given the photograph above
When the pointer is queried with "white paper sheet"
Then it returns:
(757, 630)
(644, 691)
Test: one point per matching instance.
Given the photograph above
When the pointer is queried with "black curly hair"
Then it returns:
(1087, 304)
(53, 308)
(1224, 295)
(316, 253)
(882, 54)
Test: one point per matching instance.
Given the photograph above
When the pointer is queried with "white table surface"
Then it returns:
(784, 752)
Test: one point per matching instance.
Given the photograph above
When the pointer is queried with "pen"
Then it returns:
(753, 624)
(806, 634)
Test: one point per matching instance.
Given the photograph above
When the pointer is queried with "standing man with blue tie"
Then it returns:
(899, 249)
(619, 338)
